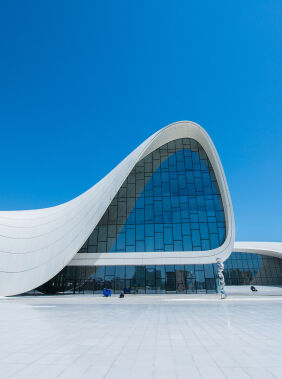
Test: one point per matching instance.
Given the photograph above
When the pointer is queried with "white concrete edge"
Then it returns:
(273, 249)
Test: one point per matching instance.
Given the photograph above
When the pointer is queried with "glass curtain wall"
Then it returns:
(246, 268)
(169, 202)
(240, 269)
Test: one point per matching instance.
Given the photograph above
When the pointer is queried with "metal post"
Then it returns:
(220, 269)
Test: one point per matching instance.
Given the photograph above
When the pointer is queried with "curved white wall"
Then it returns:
(35, 245)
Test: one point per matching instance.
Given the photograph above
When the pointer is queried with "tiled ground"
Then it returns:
(152, 336)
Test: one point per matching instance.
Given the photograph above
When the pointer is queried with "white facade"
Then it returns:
(35, 245)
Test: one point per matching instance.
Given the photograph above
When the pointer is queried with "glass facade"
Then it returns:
(246, 268)
(240, 269)
(169, 202)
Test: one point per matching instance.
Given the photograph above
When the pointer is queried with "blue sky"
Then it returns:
(83, 83)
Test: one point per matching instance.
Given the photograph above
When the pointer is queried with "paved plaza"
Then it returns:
(142, 336)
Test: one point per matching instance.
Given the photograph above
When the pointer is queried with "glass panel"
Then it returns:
(180, 278)
(150, 279)
(170, 279)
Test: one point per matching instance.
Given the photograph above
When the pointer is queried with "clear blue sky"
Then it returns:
(82, 83)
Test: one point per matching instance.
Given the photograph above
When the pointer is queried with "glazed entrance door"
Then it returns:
(170, 279)
(190, 281)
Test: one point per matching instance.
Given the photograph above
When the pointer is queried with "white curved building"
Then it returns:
(156, 223)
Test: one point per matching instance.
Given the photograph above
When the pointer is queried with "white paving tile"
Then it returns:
(211, 373)
(168, 336)
(235, 373)
(276, 371)
(10, 369)
(259, 373)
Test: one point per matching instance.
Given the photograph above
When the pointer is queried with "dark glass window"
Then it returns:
(169, 202)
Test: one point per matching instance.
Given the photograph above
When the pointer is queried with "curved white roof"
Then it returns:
(35, 245)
